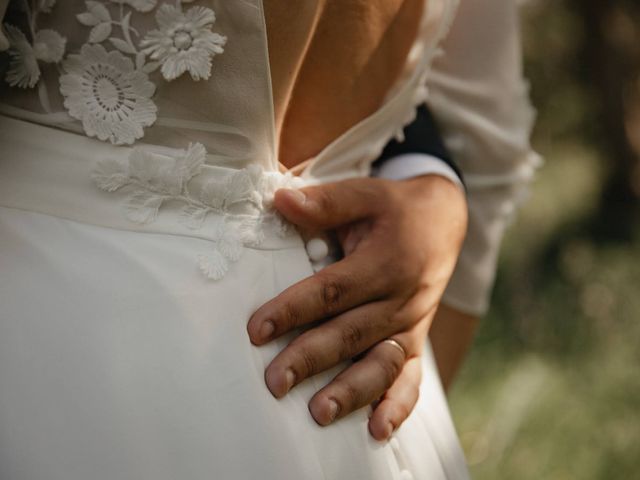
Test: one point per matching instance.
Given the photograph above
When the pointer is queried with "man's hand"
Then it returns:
(401, 242)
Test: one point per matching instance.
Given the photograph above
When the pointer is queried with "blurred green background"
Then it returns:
(551, 389)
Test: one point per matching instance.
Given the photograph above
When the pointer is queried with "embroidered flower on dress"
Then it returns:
(184, 42)
(155, 177)
(49, 46)
(104, 91)
(24, 71)
(106, 84)
(229, 245)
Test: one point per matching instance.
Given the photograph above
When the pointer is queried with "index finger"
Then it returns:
(339, 287)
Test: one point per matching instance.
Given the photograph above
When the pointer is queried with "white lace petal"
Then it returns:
(230, 245)
(98, 10)
(193, 216)
(213, 265)
(192, 162)
(24, 71)
(165, 15)
(143, 207)
(118, 61)
(139, 5)
(110, 175)
(200, 16)
(199, 65)
(49, 46)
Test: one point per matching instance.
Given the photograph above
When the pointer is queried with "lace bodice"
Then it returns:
(154, 71)
(172, 72)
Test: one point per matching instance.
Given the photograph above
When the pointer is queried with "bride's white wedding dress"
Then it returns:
(137, 166)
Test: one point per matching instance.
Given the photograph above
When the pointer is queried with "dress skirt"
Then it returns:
(120, 360)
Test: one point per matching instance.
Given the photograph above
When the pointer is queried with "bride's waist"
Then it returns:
(145, 188)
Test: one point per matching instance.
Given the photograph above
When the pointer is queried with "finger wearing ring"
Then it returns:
(364, 382)
(396, 345)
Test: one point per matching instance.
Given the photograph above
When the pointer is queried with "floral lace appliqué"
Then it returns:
(24, 70)
(108, 95)
(184, 42)
(154, 177)
(107, 85)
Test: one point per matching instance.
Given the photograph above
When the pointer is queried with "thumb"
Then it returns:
(329, 206)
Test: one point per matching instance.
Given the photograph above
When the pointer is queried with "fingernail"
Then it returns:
(297, 196)
(290, 378)
(266, 330)
(278, 384)
(388, 430)
(334, 409)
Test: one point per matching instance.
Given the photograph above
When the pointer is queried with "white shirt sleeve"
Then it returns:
(411, 165)
(480, 100)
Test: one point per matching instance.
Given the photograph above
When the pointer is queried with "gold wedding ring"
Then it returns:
(396, 345)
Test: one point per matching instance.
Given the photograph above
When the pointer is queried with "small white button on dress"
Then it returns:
(406, 475)
(317, 249)
(395, 445)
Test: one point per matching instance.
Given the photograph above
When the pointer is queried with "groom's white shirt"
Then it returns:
(480, 100)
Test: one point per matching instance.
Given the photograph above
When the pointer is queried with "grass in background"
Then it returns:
(551, 389)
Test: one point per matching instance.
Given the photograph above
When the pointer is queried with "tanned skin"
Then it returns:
(333, 62)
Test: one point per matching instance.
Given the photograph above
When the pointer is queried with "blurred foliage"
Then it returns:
(551, 389)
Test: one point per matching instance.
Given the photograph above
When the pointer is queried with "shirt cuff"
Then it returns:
(411, 165)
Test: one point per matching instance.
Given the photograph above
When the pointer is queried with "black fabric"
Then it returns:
(421, 136)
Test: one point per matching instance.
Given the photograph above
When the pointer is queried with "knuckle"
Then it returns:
(324, 200)
(390, 323)
(351, 337)
(288, 317)
(332, 292)
(305, 361)
(349, 396)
